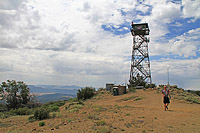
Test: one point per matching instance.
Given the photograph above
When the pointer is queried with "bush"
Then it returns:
(56, 103)
(21, 111)
(41, 123)
(74, 107)
(131, 89)
(53, 108)
(100, 123)
(150, 85)
(72, 100)
(85, 93)
(41, 114)
(31, 119)
(4, 115)
(3, 108)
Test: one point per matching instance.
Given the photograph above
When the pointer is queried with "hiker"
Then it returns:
(166, 95)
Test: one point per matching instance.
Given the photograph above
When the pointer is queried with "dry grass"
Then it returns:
(141, 111)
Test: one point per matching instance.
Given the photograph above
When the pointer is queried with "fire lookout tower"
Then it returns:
(140, 64)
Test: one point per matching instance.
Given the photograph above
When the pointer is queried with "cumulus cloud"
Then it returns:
(185, 72)
(63, 42)
(186, 45)
(191, 9)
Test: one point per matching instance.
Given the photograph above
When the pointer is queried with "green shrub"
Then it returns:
(132, 89)
(85, 93)
(74, 108)
(59, 103)
(99, 108)
(104, 130)
(41, 123)
(21, 111)
(31, 119)
(150, 85)
(53, 115)
(93, 117)
(127, 98)
(4, 115)
(100, 123)
(53, 108)
(3, 108)
(41, 114)
(73, 100)
(54, 103)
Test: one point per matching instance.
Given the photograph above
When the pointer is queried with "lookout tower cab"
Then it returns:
(140, 29)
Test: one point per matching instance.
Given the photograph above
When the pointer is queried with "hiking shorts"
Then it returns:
(166, 100)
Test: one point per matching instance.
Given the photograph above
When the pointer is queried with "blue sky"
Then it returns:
(88, 42)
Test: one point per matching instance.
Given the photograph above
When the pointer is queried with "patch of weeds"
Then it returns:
(84, 113)
(69, 120)
(169, 126)
(117, 106)
(155, 118)
(127, 98)
(4, 115)
(78, 106)
(141, 117)
(188, 97)
(74, 107)
(99, 108)
(121, 119)
(132, 89)
(58, 114)
(158, 91)
(73, 110)
(100, 123)
(104, 130)
(144, 131)
(122, 129)
(53, 115)
(31, 119)
(138, 98)
(128, 125)
(57, 126)
(41, 124)
(72, 100)
(128, 114)
(192, 99)
(94, 127)
(93, 117)
(5, 125)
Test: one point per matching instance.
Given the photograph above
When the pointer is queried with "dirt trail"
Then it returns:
(141, 111)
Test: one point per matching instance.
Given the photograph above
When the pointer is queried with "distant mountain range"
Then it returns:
(49, 93)
(54, 97)
(53, 89)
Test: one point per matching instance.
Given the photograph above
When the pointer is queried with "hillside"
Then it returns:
(141, 111)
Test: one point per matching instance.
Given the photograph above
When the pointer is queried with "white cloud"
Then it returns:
(184, 73)
(186, 45)
(62, 42)
(191, 9)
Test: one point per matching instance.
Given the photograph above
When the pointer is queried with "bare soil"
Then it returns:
(141, 111)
